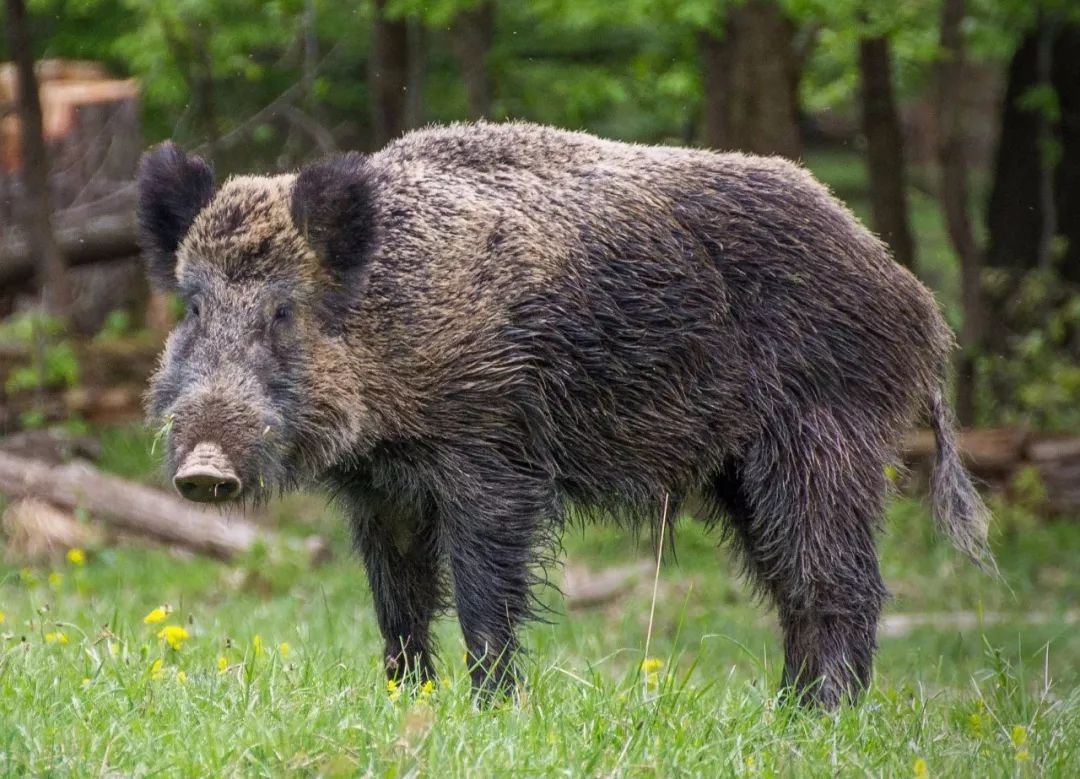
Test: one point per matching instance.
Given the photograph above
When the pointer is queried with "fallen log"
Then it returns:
(584, 589)
(101, 239)
(38, 531)
(127, 505)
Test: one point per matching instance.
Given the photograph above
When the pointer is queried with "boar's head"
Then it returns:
(256, 389)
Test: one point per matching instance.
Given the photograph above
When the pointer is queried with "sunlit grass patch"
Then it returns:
(286, 678)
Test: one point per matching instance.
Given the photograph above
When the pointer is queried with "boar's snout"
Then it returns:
(207, 476)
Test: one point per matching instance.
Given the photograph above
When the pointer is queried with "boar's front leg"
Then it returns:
(400, 549)
(496, 520)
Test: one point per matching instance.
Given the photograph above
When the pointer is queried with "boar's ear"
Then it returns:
(333, 208)
(173, 189)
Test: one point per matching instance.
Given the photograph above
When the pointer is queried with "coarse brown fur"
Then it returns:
(479, 325)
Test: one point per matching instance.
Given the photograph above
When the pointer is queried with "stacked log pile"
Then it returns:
(997, 456)
(93, 142)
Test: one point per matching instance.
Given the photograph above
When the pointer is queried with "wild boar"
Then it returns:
(479, 326)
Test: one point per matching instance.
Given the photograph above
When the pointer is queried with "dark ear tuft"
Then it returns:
(173, 189)
(333, 208)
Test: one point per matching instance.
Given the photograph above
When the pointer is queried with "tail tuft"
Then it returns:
(958, 510)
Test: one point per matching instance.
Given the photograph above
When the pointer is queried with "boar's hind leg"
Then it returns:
(803, 512)
(401, 556)
(493, 534)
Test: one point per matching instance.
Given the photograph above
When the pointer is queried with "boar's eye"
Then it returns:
(193, 309)
(283, 314)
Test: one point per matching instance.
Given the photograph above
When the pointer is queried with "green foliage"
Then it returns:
(629, 70)
(118, 323)
(1032, 375)
(53, 363)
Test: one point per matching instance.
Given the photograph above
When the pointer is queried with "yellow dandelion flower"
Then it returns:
(393, 691)
(86, 681)
(157, 615)
(921, 771)
(651, 664)
(3, 618)
(28, 578)
(174, 636)
(284, 649)
(76, 556)
(181, 677)
(222, 665)
(1019, 736)
(427, 688)
(975, 721)
(1023, 756)
(59, 636)
(257, 645)
(55, 579)
(155, 669)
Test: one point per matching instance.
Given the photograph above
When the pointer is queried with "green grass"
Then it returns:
(966, 701)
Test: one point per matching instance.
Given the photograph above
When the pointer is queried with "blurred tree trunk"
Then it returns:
(1013, 215)
(1022, 232)
(751, 73)
(714, 74)
(955, 198)
(471, 36)
(37, 202)
(417, 56)
(189, 46)
(1066, 78)
(205, 90)
(884, 149)
(388, 76)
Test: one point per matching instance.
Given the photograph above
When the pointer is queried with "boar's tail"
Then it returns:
(958, 510)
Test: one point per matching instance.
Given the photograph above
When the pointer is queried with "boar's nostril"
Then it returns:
(206, 476)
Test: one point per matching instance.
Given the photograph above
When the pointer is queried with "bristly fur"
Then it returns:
(544, 318)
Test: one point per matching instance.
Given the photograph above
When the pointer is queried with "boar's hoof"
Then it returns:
(206, 476)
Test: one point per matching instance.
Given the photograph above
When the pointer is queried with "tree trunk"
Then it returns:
(1066, 80)
(388, 76)
(1013, 216)
(714, 74)
(1021, 230)
(751, 77)
(955, 198)
(471, 37)
(1047, 139)
(417, 54)
(884, 149)
(205, 91)
(37, 201)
